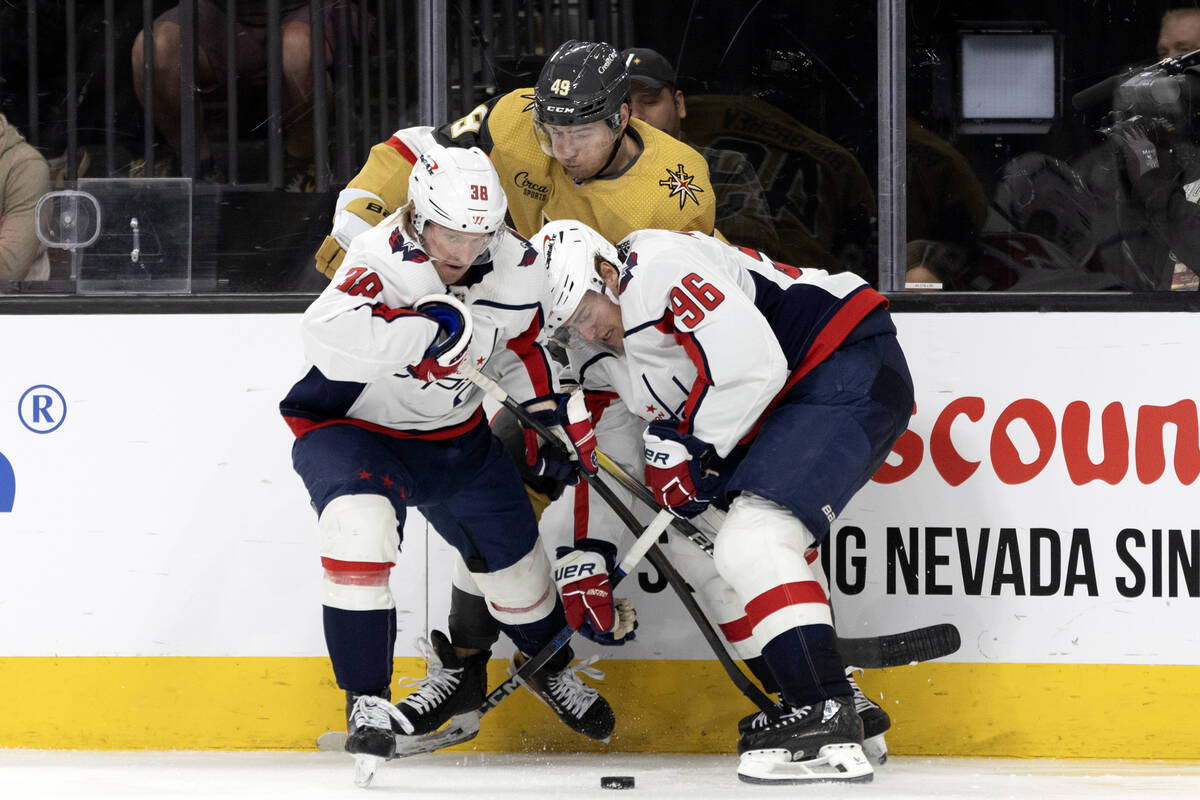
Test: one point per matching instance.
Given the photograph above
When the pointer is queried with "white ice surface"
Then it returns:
(329, 776)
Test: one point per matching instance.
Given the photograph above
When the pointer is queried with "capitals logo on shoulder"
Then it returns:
(406, 249)
(631, 261)
(681, 185)
(8, 485)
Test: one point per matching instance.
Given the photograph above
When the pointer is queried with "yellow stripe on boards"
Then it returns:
(1040, 710)
(1033, 710)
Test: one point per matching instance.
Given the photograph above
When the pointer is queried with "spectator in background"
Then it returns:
(1179, 32)
(1146, 181)
(743, 215)
(212, 69)
(24, 178)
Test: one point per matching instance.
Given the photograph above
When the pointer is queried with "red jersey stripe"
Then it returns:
(400, 147)
(782, 596)
(739, 630)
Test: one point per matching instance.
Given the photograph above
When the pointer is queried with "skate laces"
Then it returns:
(773, 719)
(764, 718)
(861, 701)
(438, 684)
(375, 712)
(569, 690)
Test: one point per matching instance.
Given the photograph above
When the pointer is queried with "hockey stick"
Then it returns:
(872, 652)
(744, 684)
(868, 652)
(644, 541)
(464, 727)
(712, 516)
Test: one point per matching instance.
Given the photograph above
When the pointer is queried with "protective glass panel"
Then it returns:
(268, 142)
(778, 97)
(1050, 150)
(124, 235)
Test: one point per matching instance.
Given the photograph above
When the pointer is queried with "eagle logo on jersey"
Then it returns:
(529, 256)
(406, 249)
(627, 273)
(681, 185)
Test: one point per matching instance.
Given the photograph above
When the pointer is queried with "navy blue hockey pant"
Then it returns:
(467, 487)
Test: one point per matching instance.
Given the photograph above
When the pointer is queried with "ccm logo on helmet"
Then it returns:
(561, 109)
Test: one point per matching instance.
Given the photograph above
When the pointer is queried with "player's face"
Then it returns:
(597, 320)
(659, 107)
(581, 149)
(452, 251)
(1179, 35)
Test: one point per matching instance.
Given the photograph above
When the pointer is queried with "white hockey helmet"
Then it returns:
(458, 189)
(570, 249)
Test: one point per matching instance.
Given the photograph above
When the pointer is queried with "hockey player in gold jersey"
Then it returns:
(565, 149)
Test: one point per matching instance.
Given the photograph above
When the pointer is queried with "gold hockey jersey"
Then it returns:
(666, 186)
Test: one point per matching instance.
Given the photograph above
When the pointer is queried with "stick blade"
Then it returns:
(899, 649)
(332, 742)
(461, 728)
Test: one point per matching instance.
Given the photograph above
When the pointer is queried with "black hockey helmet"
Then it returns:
(582, 82)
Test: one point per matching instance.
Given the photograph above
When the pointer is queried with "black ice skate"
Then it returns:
(371, 726)
(875, 720)
(452, 686)
(821, 742)
(578, 705)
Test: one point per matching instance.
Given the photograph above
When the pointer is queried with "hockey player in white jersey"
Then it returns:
(775, 391)
(383, 423)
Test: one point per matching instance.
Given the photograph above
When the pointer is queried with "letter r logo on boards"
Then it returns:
(42, 408)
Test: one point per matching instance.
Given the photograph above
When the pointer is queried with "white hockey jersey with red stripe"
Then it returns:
(361, 334)
(715, 333)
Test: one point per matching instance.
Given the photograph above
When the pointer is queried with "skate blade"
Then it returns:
(875, 749)
(364, 769)
(840, 763)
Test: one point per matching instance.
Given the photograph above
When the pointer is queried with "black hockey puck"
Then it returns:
(616, 782)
